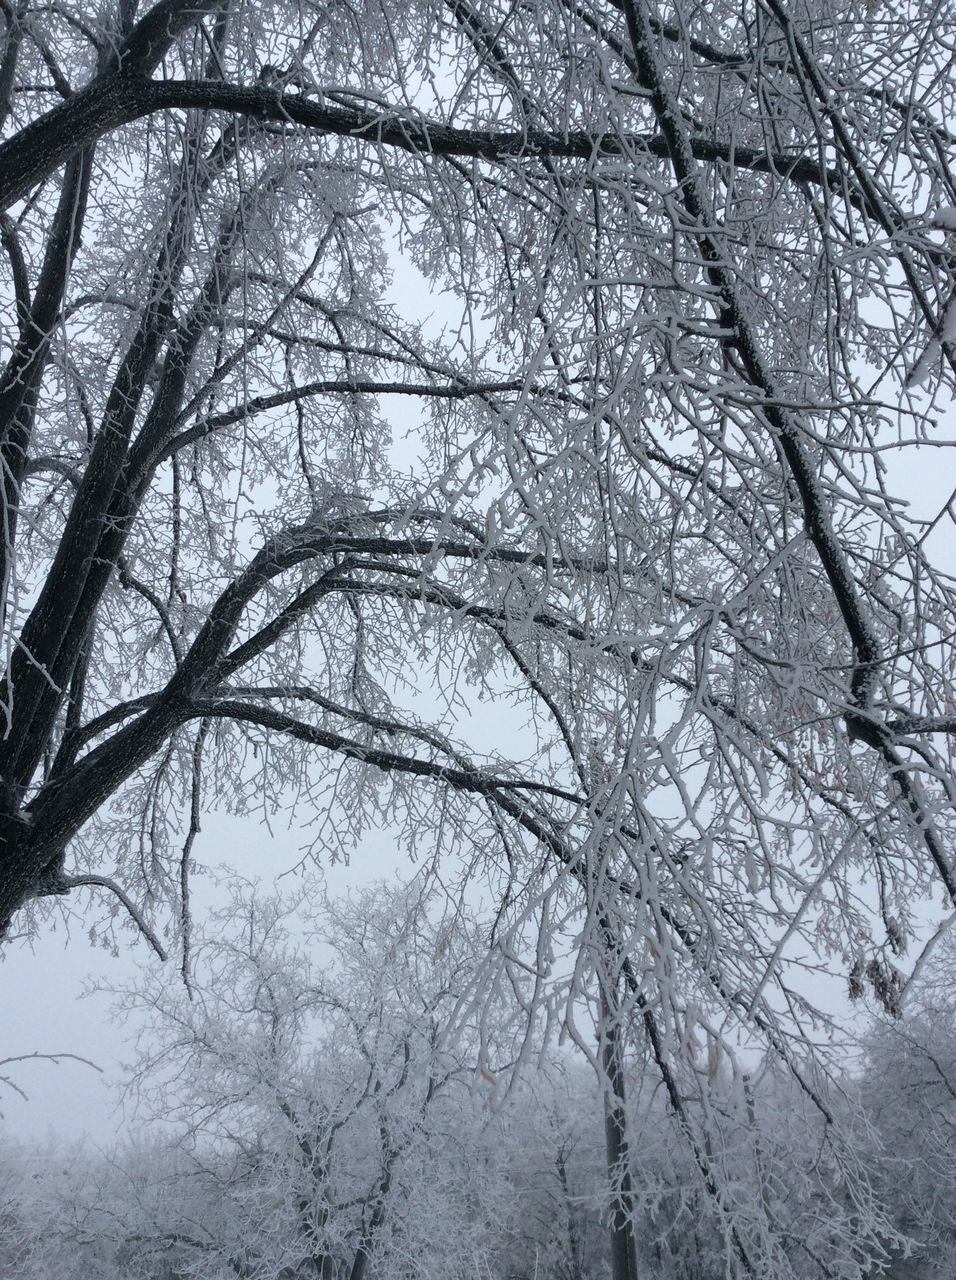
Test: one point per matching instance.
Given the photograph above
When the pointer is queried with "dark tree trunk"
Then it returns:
(623, 1242)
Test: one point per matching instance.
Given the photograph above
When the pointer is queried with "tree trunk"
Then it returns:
(623, 1242)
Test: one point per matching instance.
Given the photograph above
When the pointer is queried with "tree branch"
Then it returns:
(118, 99)
(64, 883)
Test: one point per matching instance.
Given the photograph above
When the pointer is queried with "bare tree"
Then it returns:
(329, 1078)
(654, 494)
(908, 1087)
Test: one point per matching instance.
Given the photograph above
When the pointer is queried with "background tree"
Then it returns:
(507, 1192)
(909, 1090)
(328, 1087)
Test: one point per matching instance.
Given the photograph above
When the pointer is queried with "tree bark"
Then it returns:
(623, 1242)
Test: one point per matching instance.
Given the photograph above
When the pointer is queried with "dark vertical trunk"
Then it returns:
(623, 1242)
(575, 1253)
(364, 1250)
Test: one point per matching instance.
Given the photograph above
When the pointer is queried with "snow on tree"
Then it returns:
(908, 1087)
(645, 485)
(327, 1078)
